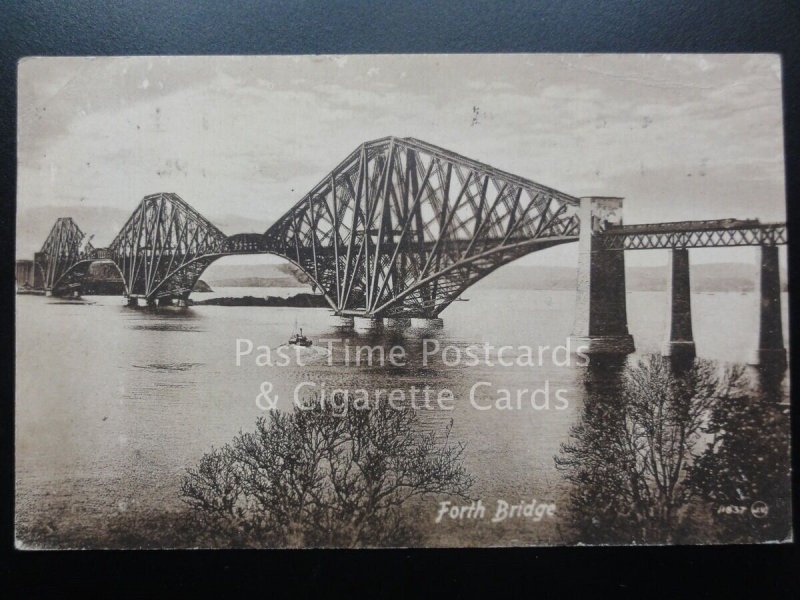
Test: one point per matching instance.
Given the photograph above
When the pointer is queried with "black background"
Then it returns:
(136, 27)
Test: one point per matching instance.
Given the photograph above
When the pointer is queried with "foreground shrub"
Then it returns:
(330, 475)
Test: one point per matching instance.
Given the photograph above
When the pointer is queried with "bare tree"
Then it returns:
(330, 475)
(630, 452)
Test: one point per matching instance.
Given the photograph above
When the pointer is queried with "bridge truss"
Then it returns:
(402, 228)
(164, 247)
(399, 228)
(695, 234)
(61, 252)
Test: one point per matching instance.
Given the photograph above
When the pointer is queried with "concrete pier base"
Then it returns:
(597, 344)
(678, 349)
(679, 342)
(769, 348)
(138, 302)
(341, 322)
(601, 318)
(180, 302)
(396, 323)
(367, 324)
(431, 324)
(48, 293)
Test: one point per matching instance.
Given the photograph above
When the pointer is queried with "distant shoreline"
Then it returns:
(706, 277)
(301, 300)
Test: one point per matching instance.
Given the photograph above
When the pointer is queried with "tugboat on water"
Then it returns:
(298, 339)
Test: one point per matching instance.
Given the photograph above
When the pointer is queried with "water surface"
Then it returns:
(114, 403)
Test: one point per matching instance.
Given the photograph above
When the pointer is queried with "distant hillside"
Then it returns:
(256, 282)
(33, 226)
(104, 270)
(263, 275)
(717, 277)
(712, 277)
(104, 279)
(232, 224)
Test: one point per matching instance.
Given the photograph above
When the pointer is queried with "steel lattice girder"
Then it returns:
(398, 228)
(750, 234)
(402, 227)
(61, 251)
(164, 247)
(426, 223)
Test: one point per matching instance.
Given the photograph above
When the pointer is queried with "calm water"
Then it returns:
(114, 403)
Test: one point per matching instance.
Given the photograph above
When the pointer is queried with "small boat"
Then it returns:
(298, 339)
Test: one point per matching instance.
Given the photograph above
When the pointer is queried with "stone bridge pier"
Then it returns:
(601, 325)
(770, 350)
(679, 342)
(601, 317)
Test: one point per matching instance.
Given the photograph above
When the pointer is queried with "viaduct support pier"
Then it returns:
(679, 342)
(770, 349)
(601, 318)
(144, 302)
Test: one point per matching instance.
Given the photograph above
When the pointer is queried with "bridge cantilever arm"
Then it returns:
(471, 259)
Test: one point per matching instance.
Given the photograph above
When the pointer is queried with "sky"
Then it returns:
(241, 139)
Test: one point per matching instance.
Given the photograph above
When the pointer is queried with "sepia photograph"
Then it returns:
(401, 301)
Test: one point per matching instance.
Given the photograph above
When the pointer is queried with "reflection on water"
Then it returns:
(113, 404)
(168, 366)
(686, 453)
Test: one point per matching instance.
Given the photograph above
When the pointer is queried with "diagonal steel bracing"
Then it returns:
(165, 246)
(63, 249)
(399, 228)
(695, 234)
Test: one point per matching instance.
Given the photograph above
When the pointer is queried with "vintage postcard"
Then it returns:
(401, 301)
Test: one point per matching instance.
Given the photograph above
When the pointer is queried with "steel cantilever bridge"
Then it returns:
(400, 228)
